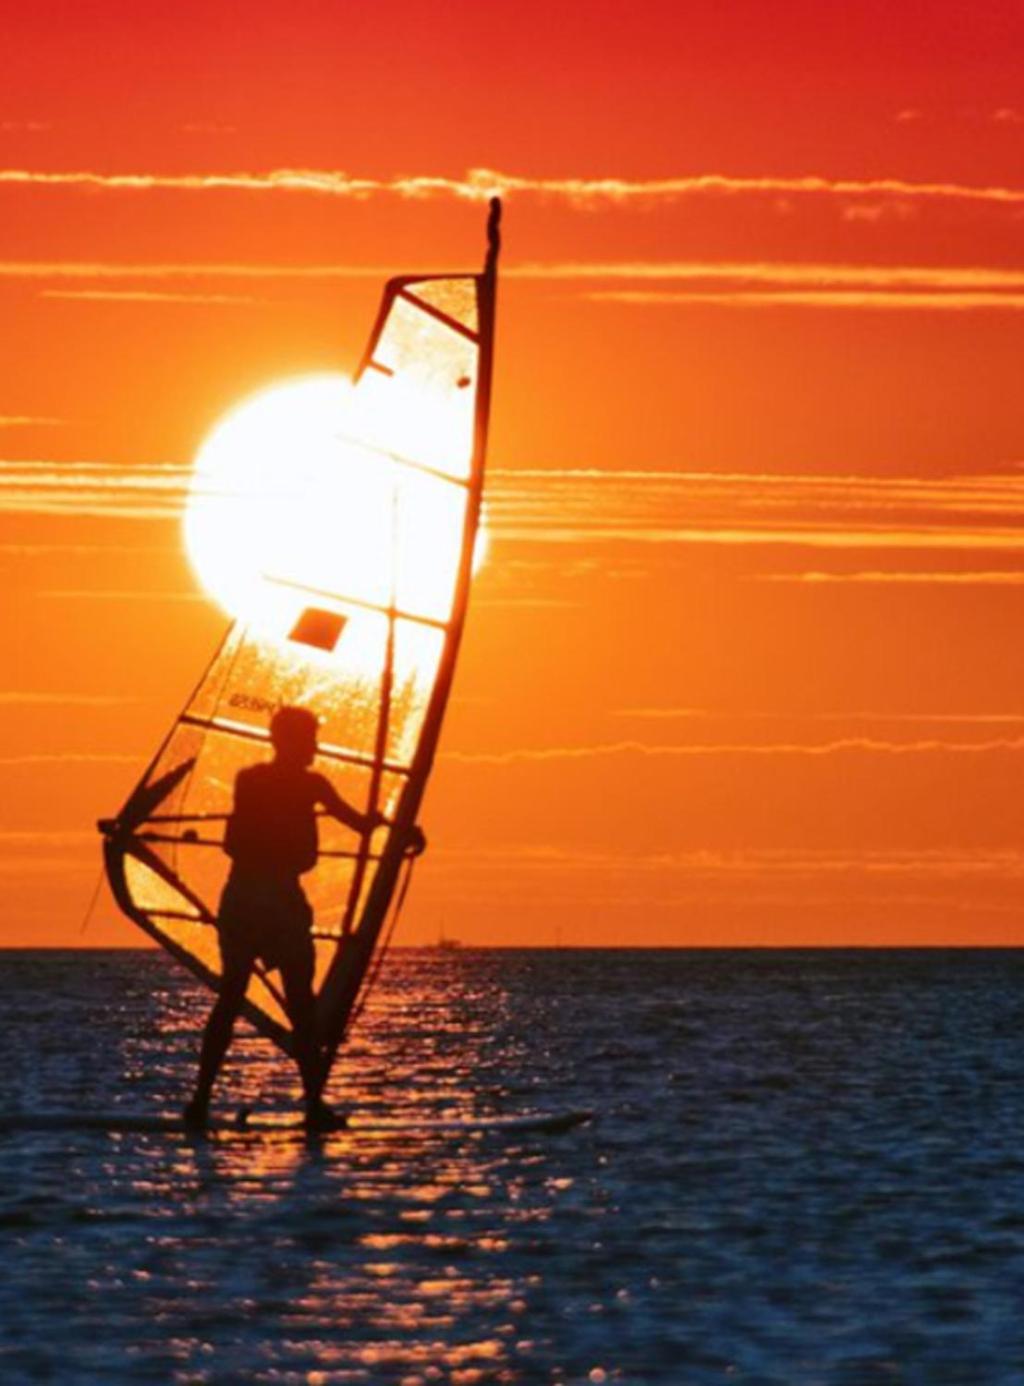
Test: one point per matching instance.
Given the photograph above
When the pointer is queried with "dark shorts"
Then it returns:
(268, 918)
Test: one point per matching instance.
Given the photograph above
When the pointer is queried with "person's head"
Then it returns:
(293, 734)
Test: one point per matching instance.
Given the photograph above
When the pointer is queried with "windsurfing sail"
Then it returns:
(371, 653)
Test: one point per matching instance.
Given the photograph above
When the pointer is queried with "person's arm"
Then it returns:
(336, 806)
(329, 799)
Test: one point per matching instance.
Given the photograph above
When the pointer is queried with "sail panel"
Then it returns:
(254, 675)
(338, 998)
(419, 400)
(456, 298)
(365, 646)
(156, 895)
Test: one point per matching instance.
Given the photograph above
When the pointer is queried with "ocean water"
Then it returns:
(805, 1167)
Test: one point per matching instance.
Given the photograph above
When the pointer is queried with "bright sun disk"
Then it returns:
(291, 505)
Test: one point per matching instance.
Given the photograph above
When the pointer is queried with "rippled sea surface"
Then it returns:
(806, 1167)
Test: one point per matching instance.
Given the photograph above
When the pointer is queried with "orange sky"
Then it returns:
(743, 666)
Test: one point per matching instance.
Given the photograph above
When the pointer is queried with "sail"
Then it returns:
(370, 648)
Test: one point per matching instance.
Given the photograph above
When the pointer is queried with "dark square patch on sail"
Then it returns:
(319, 628)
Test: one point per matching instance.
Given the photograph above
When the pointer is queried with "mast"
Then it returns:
(345, 978)
(165, 849)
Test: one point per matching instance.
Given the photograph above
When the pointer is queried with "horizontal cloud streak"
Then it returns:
(996, 578)
(588, 506)
(93, 489)
(781, 274)
(711, 863)
(118, 594)
(113, 270)
(147, 296)
(52, 867)
(29, 837)
(856, 715)
(58, 758)
(478, 184)
(602, 750)
(28, 421)
(17, 697)
(882, 300)
(839, 512)
(739, 284)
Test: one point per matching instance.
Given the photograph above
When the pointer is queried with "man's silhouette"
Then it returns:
(271, 839)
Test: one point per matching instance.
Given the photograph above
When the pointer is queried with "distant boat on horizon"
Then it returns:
(444, 943)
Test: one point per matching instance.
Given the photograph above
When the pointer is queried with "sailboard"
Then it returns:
(372, 657)
(283, 1124)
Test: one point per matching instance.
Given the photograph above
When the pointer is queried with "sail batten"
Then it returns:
(372, 656)
(392, 612)
(425, 306)
(327, 751)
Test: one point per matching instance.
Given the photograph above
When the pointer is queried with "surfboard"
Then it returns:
(291, 1124)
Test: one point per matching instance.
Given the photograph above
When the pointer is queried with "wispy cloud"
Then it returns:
(55, 854)
(29, 550)
(995, 578)
(644, 749)
(593, 506)
(974, 889)
(29, 421)
(49, 837)
(58, 758)
(528, 603)
(158, 270)
(739, 863)
(817, 511)
(794, 882)
(149, 296)
(479, 183)
(53, 867)
(739, 276)
(19, 697)
(671, 714)
(782, 274)
(737, 284)
(95, 489)
(119, 594)
(833, 299)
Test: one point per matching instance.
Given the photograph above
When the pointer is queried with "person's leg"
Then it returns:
(220, 1027)
(297, 976)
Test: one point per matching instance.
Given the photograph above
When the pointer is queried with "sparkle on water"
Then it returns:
(806, 1170)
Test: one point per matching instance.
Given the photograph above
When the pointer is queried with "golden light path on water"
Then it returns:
(292, 495)
(425, 1261)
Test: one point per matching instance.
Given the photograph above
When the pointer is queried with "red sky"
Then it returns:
(743, 664)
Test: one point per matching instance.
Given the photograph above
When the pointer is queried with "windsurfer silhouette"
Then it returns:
(271, 839)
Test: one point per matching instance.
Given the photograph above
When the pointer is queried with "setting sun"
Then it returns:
(346, 874)
(295, 496)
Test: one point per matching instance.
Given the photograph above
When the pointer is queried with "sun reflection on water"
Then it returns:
(390, 1237)
(370, 1255)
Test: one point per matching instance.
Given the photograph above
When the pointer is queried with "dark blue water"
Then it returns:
(807, 1168)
